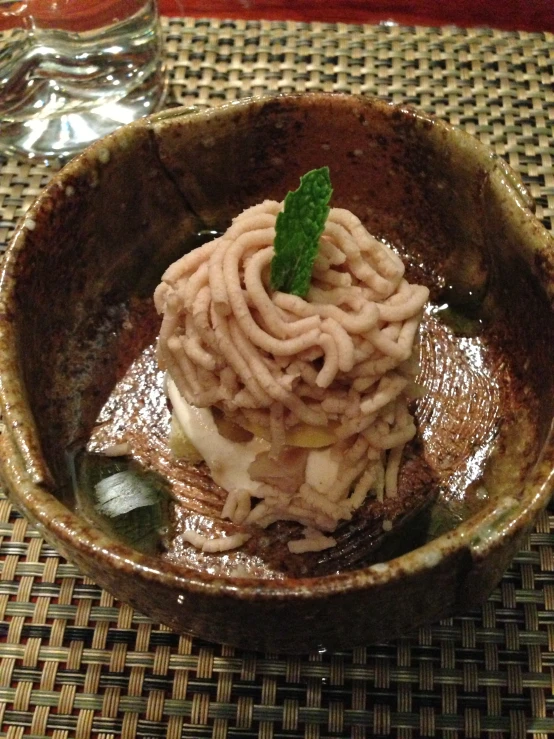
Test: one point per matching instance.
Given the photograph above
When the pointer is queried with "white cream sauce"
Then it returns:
(227, 460)
(322, 470)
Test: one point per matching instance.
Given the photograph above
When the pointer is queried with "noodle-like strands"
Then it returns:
(338, 359)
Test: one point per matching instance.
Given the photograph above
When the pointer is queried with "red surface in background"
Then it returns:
(79, 15)
(523, 15)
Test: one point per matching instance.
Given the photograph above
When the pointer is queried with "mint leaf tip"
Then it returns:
(297, 232)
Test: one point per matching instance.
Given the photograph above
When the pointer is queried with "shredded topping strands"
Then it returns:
(325, 378)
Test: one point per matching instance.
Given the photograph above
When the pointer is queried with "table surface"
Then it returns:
(530, 15)
(75, 662)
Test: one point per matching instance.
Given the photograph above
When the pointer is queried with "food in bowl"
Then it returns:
(298, 405)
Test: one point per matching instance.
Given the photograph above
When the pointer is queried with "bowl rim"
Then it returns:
(31, 486)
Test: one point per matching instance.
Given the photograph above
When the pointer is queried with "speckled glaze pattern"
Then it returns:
(112, 219)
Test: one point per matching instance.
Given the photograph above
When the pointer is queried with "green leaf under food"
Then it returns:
(297, 232)
(124, 492)
(123, 499)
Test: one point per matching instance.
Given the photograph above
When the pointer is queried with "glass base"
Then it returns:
(59, 138)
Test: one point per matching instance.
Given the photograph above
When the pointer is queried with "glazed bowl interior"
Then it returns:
(82, 268)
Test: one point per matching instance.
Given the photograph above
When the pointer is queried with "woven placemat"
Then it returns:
(74, 662)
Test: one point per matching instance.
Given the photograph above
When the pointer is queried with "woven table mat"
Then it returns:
(74, 662)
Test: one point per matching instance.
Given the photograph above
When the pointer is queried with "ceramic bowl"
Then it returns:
(102, 232)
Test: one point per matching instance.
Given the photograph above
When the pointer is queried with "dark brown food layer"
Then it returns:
(358, 542)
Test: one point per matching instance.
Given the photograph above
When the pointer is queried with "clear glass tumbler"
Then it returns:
(72, 71)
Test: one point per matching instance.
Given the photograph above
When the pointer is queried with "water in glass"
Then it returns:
(72, 71)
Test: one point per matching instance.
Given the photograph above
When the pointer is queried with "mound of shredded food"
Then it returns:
(299, 406)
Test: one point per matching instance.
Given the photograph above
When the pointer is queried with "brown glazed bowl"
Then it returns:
(109, 223)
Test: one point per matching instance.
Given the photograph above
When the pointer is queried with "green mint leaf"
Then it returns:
(297, 233)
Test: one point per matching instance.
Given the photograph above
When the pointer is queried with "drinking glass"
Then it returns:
(72, 71)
